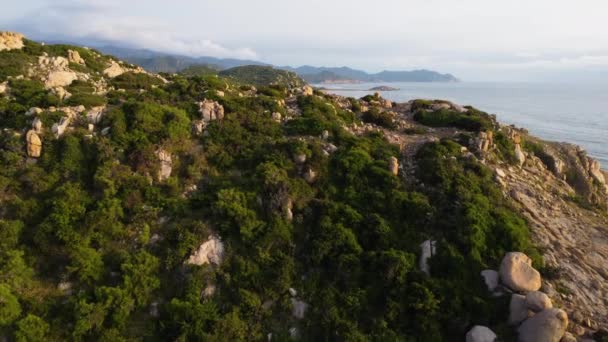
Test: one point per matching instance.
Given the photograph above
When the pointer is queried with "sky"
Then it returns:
(476, 40)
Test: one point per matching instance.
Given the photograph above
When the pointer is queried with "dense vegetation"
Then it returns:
(263, 75)
(93, 247)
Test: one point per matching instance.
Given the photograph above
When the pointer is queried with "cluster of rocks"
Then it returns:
(210, 111)
(11, 41)
(166, 165)
(483, 142)
(530, 310)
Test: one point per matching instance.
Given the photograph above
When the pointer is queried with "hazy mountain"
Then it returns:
(163, 62)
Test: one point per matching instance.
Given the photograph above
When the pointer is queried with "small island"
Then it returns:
(383, 88)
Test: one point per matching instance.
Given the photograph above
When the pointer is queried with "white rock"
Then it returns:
(293, 292)
(276, 116)
(210, 252)
(480, 334)
(59, 128)
(500, 173)
(427, 250)
(74, 57)
(33, 111)
(298, 308)
(538, 301)
(520, 156)
(310, 176)
(300, 158)
(490, 277)
(209, 291)
(518, 310)
(95, 115)
(211, 110)
(517, 273)
(3, 87)
(105, 131)
(37, 125)
(548, 325)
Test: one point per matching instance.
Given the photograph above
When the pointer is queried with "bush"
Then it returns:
(87, 100)
(384, 119)
(471, 120)
(134, 81)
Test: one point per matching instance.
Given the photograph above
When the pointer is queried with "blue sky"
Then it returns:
(488, 40)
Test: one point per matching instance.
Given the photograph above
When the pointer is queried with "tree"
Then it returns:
(31, 329)
(9, 306)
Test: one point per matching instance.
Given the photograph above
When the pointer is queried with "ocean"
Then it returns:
(574, 113)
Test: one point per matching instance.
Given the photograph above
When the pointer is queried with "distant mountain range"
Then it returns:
(154, 61)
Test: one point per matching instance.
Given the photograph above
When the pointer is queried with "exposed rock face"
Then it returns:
(300, 158)
(210, 111)
(61, 93)
(546, 326)
(60, 79)
(427, 250)
(74, 57)
(34, 144)
(517, 273)
(11, 41)
(518, 310)
(520, 156)
(114, 70)
(166, 164)
(538, 301)
(3, 87)
(393, 165)
(490, 277)
(310, 176)
(210, 252)
(480, 334)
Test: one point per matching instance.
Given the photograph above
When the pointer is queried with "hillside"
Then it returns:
(204, 208)
(343, 74)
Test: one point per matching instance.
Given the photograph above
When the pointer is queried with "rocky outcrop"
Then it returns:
(166, 165)
(483, 142)
(210, 252)
(546, 326)
(74, 57)
(480, 334)
(3, 88)
(95, 114)
(211, 110)
(276, 116)
(517, 273)
(34, 144)
(114, 70)
(37, 125)
(53, 71)
(310, 176)
(11, 41)
(299, 308)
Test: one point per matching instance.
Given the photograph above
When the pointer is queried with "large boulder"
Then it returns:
(34, 144)
(490, 277)
(518, 310)
(59, 78)
(517, 273)
(520, 156)
(11, 41)
(307, 91)
(538, 301)
(95, 114)
(3, 87)
(210, 252)
(548, 325)
(480, 334)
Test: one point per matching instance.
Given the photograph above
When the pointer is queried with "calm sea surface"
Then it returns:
(575, 113)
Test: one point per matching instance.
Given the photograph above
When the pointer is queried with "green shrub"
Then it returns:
(471, 120)
(134, 81)
(384, 119)
(87, 100)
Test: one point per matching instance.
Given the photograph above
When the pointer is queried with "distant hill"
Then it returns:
(340, 75)
(263, 75)
(154, 61)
